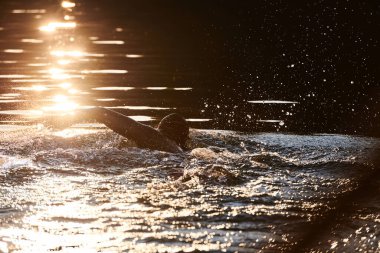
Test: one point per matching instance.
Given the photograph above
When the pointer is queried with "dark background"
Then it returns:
(323, 54)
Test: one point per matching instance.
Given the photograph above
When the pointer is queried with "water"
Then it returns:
(86, 189)
(57, 59)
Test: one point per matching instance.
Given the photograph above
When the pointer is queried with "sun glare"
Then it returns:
(61, 103)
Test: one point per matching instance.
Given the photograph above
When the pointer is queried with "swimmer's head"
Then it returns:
(175, 127)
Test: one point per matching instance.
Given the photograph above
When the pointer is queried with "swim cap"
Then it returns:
(175, 127)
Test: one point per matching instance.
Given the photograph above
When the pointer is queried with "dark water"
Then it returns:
(248, 66)
(56, 60)
(86, 189)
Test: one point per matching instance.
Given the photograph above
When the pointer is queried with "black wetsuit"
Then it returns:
(144, 136)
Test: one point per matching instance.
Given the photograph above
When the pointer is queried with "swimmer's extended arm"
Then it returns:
(144, 136)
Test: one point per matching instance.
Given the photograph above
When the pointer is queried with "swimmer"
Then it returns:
(170, 136)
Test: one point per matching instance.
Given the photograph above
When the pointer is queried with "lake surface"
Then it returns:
(86, 189)
(57, 59)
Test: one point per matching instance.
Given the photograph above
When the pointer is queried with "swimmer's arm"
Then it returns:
(116, 121)
(144, 136)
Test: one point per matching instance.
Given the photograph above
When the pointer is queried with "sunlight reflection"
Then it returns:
(28, 81)
(34, 41)
(279, 121)
(53, 26)
(30, 113)
(132, 107)
(183, 88)
(31, 11)
(67, 4)
(14, 76)
(156, 88)
(73, 91)
(105, 71)
(142, 118)
(32, 88)
(59, 74)
(13, 51)
(134, 55)
(65, 85)
(72, 132)
(11, 101)
(109, 42)
(105, 99)
(73, 53)
(37, 64)
(63, 62)
(62, 103)
(198, 120)
(63, 53)
(11, 94)
(8, 62)
(272, 102)
(68, 17)
(114, 88)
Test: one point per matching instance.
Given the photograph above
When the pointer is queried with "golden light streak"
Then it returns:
(8, 62)
(14, 51)
(41, 11)
(67, 4)
(105, 99)
(109, 42)
(105, 71)
(156, 88)
(39, 87)
(183, 88)
(114, 88)
(134, 55)
(53, 26)
(14, 76)
(34, 41)
(32, 88)
(68, 17)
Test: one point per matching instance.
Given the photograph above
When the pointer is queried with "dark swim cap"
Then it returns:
(175, 127)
